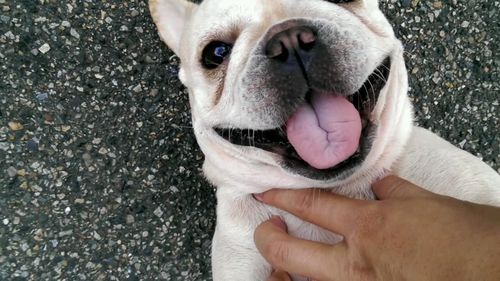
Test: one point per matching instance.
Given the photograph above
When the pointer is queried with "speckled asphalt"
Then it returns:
(99, 171)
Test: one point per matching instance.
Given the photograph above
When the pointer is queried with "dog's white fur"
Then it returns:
(407, 151)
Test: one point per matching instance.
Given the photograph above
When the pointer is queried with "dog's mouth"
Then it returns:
(277, 141)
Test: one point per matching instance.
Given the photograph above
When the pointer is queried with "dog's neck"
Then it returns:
(357, 186)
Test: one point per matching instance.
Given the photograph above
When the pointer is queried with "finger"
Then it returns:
(306, 258)
(279, 275)
(396, 187)
(333, 212)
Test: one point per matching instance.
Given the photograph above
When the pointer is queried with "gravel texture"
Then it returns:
(100, 174)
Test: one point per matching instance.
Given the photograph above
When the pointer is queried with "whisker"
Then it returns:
(253, 138)
(380, 75)
(369, 98)
(359, 100)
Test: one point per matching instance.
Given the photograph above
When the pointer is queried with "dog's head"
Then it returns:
(306, 92)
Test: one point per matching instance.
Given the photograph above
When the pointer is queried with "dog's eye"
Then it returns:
(214, 54)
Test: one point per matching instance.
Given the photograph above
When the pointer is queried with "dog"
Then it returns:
(298, 94)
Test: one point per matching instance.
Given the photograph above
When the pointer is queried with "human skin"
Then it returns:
(408, 234)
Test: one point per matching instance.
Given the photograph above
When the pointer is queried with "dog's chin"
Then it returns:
(275, 141)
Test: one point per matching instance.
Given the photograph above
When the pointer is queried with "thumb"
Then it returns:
(278, 275)
(396, 187)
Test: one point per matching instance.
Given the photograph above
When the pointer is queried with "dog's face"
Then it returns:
(311, 89)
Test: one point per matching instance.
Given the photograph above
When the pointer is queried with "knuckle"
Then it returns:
(277, 253)
(305, 202)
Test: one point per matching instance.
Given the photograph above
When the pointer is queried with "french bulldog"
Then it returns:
(298, 94)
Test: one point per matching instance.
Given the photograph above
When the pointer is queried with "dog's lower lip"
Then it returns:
(276, 141)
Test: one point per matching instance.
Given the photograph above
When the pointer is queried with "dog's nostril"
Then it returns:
(274, 49)
(307, 40)
(307, 46)
(296, 40)
(278, 52)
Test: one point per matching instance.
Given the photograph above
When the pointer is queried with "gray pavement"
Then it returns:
(99, 171)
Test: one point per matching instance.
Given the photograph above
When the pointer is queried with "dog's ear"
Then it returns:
(170, 17)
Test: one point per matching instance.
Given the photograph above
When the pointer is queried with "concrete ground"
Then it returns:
(99, 170)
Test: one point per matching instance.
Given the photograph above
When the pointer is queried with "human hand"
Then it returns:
(409, 234)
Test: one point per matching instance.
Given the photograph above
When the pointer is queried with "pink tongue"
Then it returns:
(325, 132)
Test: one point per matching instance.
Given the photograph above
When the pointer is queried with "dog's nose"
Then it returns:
(295, 43)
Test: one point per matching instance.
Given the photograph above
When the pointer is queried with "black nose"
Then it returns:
(295, 44)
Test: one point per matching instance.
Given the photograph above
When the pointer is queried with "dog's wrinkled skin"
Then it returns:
(250, 92)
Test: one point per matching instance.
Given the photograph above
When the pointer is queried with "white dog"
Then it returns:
(299, 94)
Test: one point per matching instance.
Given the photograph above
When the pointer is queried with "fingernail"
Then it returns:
(259, 197)
(277, 221)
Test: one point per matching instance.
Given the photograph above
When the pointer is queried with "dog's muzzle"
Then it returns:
(296, 53)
